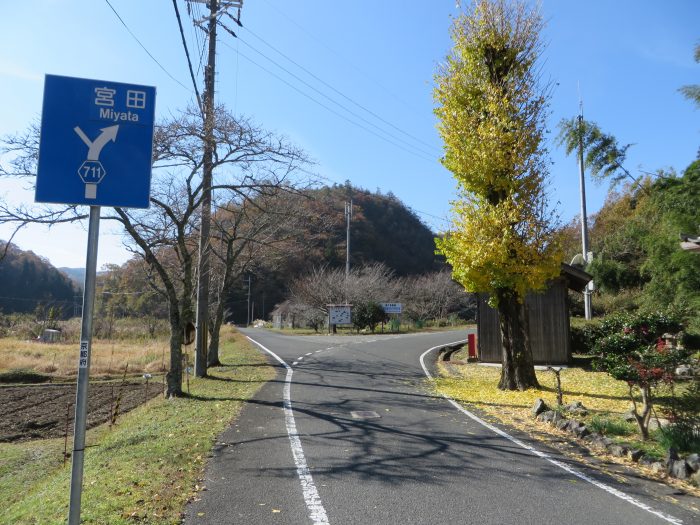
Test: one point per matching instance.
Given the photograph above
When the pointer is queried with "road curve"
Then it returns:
(350, 433)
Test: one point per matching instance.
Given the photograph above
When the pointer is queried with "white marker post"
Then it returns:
(81, 396)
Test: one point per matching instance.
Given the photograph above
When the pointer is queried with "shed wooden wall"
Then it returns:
(549, 327)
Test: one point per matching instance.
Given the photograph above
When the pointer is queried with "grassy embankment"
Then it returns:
(145, 467)
(605, 398)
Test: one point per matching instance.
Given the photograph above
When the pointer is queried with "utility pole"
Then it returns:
(348, 217)
(584, 218)
(248, 308)
(203, 277)
(200, 360)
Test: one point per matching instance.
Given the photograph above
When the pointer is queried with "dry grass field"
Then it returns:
(61, 359)
(114, 346)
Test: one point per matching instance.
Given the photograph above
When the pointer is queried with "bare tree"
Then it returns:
(253, 230)
(319, 288)
(248, 161)
(432, 296)
(314, 291)
(373, 282)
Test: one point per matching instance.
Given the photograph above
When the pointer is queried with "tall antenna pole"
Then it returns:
(584, 218)
(348, 216)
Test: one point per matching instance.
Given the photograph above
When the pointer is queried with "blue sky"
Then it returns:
(628, 57)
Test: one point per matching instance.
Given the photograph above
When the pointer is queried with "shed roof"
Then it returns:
(576, 278)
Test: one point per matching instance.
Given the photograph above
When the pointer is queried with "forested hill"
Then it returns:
(382, 230)
(28, 281)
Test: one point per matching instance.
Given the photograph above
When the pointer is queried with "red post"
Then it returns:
(471, 341)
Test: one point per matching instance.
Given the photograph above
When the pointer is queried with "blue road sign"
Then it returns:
(96, 143)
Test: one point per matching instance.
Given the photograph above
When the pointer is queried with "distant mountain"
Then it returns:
(28, 281)
(77, 275)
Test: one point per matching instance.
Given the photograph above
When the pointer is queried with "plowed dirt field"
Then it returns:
(43, 411)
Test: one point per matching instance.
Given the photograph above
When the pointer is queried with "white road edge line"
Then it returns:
(607, 488)
(313, 501)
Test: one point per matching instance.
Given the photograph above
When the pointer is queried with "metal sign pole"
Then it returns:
(76, 481)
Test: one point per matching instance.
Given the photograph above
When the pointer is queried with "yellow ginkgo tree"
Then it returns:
(492, 109)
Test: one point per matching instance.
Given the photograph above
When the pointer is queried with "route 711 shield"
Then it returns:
(96, 143)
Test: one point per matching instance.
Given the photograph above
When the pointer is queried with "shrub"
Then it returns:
(622, 301)
(632, 350)
(368, 314)
(684, 436)
(684, 431)
(584, 336)
(610, 427)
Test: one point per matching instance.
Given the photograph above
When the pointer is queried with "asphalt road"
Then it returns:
(349, 433)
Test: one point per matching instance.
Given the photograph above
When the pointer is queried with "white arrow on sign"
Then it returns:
(95, 147)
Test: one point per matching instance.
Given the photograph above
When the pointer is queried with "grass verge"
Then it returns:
(605, 398)
(147, 466)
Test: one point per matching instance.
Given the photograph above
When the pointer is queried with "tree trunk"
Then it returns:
(643, 418)
(214, 337)
(174, 376)
(518, 370)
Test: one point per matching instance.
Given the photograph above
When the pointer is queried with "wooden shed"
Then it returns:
(548, 313)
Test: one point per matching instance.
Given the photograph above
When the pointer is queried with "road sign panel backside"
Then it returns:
(96, 143)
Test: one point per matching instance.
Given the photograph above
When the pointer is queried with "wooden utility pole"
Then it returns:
(202, 337)
(248, 312)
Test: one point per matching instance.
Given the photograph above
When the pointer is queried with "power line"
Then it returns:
(345, 108)
(144, 47)
(443, 220)
(349, 99)
(195, 11)
(187, 54)
(357, 68)
(344, 117)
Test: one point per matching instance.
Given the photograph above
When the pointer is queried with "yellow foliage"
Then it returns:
(487, 252)
(476, 385)
(492, 116)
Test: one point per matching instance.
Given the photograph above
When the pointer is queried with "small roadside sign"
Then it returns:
(391, 308)
(340, 314)
(96, 143)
